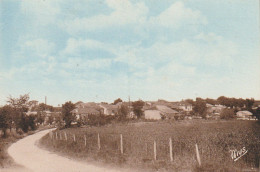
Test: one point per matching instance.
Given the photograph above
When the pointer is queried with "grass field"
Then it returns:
(215, 139)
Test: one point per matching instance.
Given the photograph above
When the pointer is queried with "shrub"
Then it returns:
(227, 114)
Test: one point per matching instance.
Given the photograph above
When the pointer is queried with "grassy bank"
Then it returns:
(215, 139)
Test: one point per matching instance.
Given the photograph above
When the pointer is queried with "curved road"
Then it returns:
(26, 153)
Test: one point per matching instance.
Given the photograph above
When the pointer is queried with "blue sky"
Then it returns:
(101, 50)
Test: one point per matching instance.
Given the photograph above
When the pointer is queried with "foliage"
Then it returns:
(137, 108)
(256, 113)
(19, 108)
(123, 112)
(66, 113)
(5, 121)
(99, 120)
(227, 114)
(200, 107)
(190, 101)
(211, 101)
(40, 117)
(42, 107)
(117, 101)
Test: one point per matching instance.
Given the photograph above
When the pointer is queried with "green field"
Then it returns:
(215, 139)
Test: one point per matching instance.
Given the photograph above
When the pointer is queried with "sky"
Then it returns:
(101, 50)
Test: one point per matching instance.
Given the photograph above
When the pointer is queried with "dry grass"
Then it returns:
(214, 138)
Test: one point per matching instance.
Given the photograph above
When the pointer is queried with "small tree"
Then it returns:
(5, 120)
(117, 101)
(227, 114)
(31, 122)
(19, 108)
(66, 113)
(122, 112)
(200, 107)
(137, 108)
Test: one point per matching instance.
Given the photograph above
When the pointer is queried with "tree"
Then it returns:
(257, 113)
(66, 113)
(122, 112)
(19, 108)
(249, 103)
(211, 101)
(43, 107)
(137, 108)
(5, 118)
(227, 114)
(31, 122)
(200, 107)
(190, 101)
(117, 101)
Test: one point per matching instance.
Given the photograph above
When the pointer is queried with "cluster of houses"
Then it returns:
(46, 114)
(152, 110)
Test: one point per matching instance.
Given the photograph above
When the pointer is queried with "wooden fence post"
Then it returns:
(74, 138)
(170, 144)
(65, 135)
(85, 139)
(146, 149)
(121, 144)
(198, 154)
(50, 134)
(154, 150)
(60, 136)
(56, 136)
(98, 142)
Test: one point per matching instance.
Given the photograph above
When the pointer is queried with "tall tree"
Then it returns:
(66, 113)
(137, 108)
(19, 107)
(249, 103)
(200, 107)
(122, 112)
(5, 118)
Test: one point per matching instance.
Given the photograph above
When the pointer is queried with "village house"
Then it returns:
(109, 109)
(245, 115)
(158, 112)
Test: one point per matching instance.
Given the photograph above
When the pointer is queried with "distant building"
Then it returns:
(84, 112)
(110, 109)
(159, 112)
(245, 115)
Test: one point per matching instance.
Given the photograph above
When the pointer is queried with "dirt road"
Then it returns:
(26, 153)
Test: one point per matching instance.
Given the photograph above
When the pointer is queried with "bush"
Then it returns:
(227, 114)
(99, 120)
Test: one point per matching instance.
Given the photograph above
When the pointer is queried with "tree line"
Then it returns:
(234, 104)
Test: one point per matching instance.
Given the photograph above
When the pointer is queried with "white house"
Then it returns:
(244, 115)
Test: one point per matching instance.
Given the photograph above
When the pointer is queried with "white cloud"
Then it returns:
(124, 12)
(74, 46)
(176, 15)
(37, 47)
(43, 12)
